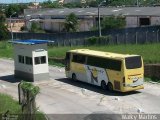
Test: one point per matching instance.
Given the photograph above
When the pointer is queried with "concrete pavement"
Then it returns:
(63, 96)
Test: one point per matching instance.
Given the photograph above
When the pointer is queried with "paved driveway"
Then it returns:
(60, 95)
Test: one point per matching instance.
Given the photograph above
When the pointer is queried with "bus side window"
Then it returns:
(104, 63)
(92, 61)
(114, 64)
(79, 59)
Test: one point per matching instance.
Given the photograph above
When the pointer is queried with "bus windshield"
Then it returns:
(133, 62)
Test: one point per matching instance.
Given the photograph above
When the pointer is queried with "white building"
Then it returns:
(53, 19)
(31, 60)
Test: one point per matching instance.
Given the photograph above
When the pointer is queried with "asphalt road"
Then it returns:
(60, 95)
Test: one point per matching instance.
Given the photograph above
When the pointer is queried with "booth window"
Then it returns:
(21, 59)
(28, 60)
(40, 60)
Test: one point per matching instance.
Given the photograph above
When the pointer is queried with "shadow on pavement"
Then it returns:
(95, 88)
(92, 116)
(9, 78)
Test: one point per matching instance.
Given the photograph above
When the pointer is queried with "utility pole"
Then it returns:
(99, 23)
(11, 25)
(137, 3)
(99, 19)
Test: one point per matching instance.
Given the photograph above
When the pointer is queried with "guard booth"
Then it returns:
(31, 60)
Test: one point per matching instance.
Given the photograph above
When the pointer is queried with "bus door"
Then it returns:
(78, 66)
(115, 72)
(67, 61)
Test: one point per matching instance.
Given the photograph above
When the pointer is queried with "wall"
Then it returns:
(152, 70)
(57, 25)
(155, 20)
(132, 21)
(40, 68)
(137, 35)
(85, 25)
(26, 50)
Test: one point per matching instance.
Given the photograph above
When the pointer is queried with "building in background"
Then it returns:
(53, 19)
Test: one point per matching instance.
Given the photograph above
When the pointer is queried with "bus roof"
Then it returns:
(101, 53)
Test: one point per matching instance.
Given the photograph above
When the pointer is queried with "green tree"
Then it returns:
(131, 2)
(92, 3)
(71, 23)
(2, 17)
(73, 5)
(21, 8)
(113, 22)
(3, 29)
(18, 8)
(35, 28)
(50, 4)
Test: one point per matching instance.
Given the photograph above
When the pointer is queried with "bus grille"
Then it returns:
(117, 85)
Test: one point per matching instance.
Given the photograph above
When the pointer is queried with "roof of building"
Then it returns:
(29, 42)
(126, 11)
(101, 53)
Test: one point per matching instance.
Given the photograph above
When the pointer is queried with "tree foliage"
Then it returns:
(95, 3)
(73, 5)
(98, 40)
(3, 29)
(113, 22)
(12, 8)
(92, 3)
(71, 23)
(35, 28)
(50, 4)
(26, 86)
(2, 17)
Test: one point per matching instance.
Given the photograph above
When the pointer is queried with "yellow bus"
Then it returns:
(112, 71)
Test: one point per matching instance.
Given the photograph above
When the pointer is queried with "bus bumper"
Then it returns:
(127, 89)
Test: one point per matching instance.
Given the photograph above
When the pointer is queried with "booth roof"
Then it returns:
(29, 42)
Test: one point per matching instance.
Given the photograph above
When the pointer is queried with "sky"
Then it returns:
(20, 1)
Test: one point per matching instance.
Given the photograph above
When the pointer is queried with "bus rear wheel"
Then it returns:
(74, 77)
(110, 86)
(103, 85)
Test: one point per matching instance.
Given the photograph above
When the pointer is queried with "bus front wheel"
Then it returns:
(103, 85)
(74, 76)
(110, 86)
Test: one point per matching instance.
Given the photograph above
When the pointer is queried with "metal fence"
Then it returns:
(138, 35)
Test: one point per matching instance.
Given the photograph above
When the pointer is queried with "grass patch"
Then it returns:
(8, 103)
(149, 52)
(6, 50)
(147, 79)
